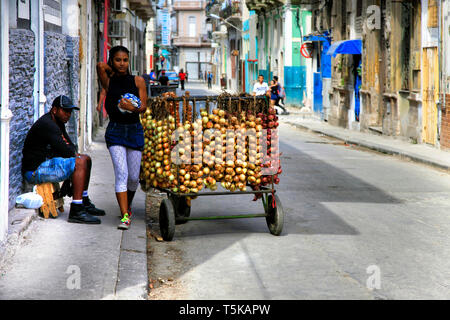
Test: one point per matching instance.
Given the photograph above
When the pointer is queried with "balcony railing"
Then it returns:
(189, 5)
(213, 6)
(231, 10)
(198, 41)
(187, 41)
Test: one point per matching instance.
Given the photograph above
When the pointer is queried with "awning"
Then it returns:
(165, 53)
(345, 47)
(318, 37)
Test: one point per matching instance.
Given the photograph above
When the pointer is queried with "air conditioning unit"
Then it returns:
(118, 29)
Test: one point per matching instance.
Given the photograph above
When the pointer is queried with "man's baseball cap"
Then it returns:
(64, 102)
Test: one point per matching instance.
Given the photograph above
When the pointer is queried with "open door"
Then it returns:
(430, 95)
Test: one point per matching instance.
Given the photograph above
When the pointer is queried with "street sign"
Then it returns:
(165, 27)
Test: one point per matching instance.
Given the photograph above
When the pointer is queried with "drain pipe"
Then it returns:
(37, 26)
(5, 118)
(89, 76)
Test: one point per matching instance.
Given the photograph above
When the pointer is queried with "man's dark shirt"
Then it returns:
(45, 140)
(164, 80)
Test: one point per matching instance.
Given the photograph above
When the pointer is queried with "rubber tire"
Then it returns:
(275, 216)
(167, 220)
(182, 210)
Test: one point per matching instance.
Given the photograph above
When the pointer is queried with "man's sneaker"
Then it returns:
(125, 222)
(91, 209)
(78, 214)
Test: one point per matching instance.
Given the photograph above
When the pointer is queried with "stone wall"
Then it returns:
(61, 75)
(21, 83)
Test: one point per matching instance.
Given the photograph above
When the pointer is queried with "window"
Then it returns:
(52, 15)
(192, 26)
(116, 5)
(23, 14)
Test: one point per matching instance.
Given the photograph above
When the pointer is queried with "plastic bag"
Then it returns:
(135, 101)
(30, 200)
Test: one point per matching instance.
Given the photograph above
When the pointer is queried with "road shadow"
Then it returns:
(307, 184)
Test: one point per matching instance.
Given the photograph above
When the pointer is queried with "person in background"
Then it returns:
(50, 156)
(124, 135)
(276, 91)
(163, 79)
(210, 78)
(101, 101)
(281, 96)
(260, 88)
(152, 75)
(182, 77)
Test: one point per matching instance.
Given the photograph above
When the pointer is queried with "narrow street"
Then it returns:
(348, 212)
(358, 225)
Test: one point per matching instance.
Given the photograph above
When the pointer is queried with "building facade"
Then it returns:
(50, 48)
(191, 38)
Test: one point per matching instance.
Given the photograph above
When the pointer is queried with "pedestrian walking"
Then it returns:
(210, 78)
(50, 156)
(182, 77)
(126, 98)
(260, 88)
(276, 94)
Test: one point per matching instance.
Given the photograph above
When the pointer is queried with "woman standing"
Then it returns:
(124, 135)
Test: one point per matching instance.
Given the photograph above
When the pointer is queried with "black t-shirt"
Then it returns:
(46, 139)
(118, 86)
(164, 80)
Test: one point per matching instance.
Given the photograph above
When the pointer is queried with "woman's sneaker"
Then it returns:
(125, 222)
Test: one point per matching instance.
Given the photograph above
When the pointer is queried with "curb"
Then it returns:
(378, 148)
(19, 221)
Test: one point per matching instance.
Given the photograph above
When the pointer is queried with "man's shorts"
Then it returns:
(53, 170)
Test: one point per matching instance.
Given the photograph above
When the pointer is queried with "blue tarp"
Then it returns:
(345, 47)
(318, 37)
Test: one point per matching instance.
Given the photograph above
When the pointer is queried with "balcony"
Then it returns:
(144, 8)
(260, 6)
(187, 41)
(199, 41)
(232, 12)
(213, 6)
(185, 5)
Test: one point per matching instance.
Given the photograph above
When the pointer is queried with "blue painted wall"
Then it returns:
(295, 84)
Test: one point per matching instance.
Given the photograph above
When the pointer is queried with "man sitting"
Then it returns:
(50, 156)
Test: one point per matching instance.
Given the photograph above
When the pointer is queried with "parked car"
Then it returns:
(173, 78)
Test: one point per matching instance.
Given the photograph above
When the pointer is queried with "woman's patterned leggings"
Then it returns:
(127, 163)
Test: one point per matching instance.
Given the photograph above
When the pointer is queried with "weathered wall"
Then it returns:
(445, 124)
(21, 82)
(61, 74)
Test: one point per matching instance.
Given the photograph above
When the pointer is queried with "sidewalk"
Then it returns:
(421, 153)
(59, 260)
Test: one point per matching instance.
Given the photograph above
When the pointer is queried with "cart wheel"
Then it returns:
(167, 220)
(182, 209)
(275, 216)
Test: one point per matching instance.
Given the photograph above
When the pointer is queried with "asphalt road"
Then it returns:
(358, 225)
